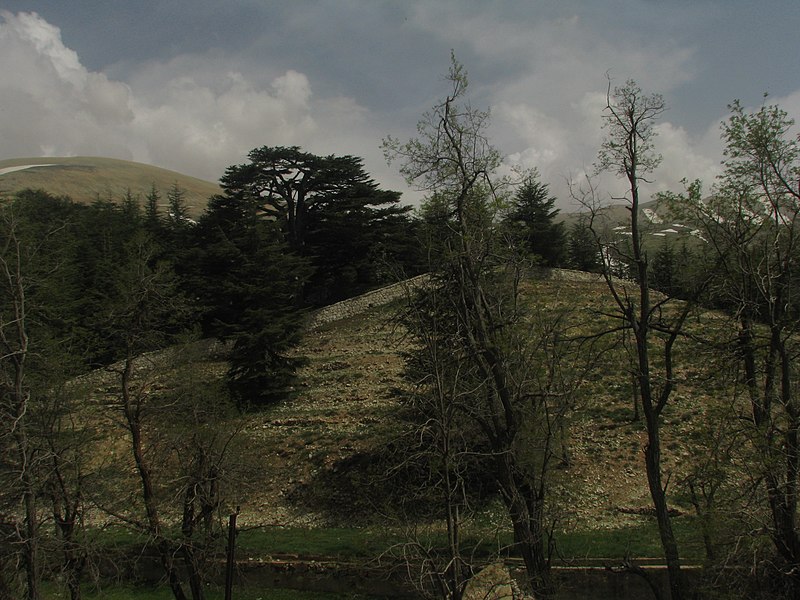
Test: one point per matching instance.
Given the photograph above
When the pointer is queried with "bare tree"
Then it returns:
(178, 437)
(15, 393)
(438, 443)
(628, 151)
(45, 449)
(69, 444)
(516, 397)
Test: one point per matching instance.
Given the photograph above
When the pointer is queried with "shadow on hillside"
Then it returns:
(390, 482)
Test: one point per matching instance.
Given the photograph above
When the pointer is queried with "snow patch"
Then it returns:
(8, 170)
(652, 216)
(696, 233)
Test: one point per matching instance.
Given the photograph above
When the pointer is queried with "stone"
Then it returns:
(494, 582)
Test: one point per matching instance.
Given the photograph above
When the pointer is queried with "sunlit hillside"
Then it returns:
(85, 179)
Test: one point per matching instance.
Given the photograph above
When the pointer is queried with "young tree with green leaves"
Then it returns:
(751, 223)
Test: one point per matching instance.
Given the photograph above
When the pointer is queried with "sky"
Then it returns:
(194, 85)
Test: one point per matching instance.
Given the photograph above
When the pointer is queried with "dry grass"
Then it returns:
(307, 462)
(84, 179)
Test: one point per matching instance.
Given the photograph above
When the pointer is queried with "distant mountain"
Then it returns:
(85, 179)
(656, 221)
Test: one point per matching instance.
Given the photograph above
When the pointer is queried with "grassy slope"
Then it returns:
(316, 449)
(85, 178)
(306, 463)
(301, 470)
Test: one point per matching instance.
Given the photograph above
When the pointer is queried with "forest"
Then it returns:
(120, 295)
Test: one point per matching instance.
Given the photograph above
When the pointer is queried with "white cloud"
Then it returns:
(193, 114)
(546, 80)
(541, 70)
(50, 102)
(682, 158)
(194, 128)
(543, 138)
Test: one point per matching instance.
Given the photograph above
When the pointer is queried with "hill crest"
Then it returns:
(86, 178)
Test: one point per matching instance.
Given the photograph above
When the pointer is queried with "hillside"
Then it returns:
(315, 460)
(84, 179)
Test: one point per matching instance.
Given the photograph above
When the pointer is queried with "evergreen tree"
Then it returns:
(178, 211)
(249, 287)
(664, 269)
(130, 204)
(582, 253)
(331, 212)
(531, 219)
(152, 212)
(354, 240)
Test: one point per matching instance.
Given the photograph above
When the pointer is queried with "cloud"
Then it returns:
(202, 100)
(545, 75)
(50, 102)
(196, 128)
(682, 158)
(195, 114)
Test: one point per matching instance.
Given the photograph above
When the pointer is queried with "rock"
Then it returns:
(494, 582)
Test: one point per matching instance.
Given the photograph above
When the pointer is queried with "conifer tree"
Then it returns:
(531, 218)
(249, 289)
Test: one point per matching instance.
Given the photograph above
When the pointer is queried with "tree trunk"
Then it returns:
(31, 543)
(132, 417)
(668, 542)
(525, 510)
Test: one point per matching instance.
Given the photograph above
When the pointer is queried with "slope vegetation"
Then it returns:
(85, 179)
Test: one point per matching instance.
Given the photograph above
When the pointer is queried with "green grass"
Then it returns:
(341, 543)
(641, 540)
(638, 541)
(120, 592)
(364, 543)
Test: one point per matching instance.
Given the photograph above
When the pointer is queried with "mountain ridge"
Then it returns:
(86, 179)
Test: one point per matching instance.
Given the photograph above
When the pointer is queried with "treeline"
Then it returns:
(103, 286)
(246, 271)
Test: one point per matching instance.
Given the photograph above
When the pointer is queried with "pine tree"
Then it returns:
(178, 210)
(249, 289)
(582, 249)
(531, 219)
(330, 211)
(152, 212)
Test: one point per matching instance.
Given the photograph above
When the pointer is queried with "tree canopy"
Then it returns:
(531, 218)
(331, 212)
